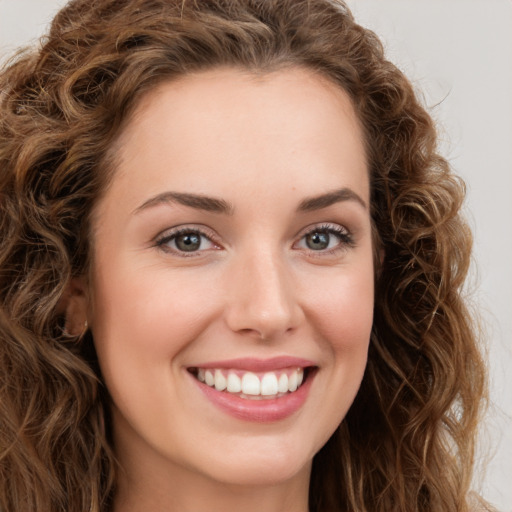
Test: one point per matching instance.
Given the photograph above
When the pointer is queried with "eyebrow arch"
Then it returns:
(330, 198)
(197, 201)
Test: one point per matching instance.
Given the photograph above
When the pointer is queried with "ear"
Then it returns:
(74, 306)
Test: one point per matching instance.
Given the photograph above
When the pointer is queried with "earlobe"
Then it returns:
(74, 307)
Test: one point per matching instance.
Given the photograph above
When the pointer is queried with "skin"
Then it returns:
(263, 144)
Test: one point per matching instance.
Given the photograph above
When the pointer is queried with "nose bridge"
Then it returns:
(263, 300)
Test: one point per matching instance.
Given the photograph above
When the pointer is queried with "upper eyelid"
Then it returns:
(174, 231)
(333, 226)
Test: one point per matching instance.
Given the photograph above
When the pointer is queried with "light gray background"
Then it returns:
(459, 54)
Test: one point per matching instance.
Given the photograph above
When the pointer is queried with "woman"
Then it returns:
(231, 269)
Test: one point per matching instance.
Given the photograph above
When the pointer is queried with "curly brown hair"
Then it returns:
(407, 443)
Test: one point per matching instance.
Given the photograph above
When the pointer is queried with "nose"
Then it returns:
(262, 297)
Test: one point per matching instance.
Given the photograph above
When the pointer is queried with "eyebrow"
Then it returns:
(214, 205)
(199, 202)
(330, 198)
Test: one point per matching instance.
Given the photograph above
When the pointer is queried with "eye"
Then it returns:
(319, 241)
(185, 240)
(325, 238)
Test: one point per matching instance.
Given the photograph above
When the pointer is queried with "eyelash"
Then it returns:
(344, 237)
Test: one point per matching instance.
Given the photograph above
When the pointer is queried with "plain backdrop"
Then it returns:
(458, 53)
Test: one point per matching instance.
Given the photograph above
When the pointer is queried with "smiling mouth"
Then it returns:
(253, 385)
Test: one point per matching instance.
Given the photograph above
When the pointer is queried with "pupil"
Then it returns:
(188, 242)
(317, 241)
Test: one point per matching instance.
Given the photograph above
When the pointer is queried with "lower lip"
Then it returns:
(258, 411)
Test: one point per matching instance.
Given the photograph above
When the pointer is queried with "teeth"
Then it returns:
(209, 378)
(234, 383)
(300, 378)
(220, 381)
(269, 384)
(292, 382)
(282, 386)
(249, 384)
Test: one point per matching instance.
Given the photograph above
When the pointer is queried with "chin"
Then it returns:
(263, 468)
(250, 474)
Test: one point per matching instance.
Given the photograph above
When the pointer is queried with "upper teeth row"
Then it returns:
(270, 383)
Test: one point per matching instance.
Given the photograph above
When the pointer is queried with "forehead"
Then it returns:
(227, 128)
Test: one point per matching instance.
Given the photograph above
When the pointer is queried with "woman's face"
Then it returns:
(234, 247)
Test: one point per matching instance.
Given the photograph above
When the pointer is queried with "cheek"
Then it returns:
(143, 324)
(155, 311)
(342, 307)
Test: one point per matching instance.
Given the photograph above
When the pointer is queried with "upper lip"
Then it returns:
(258, 365)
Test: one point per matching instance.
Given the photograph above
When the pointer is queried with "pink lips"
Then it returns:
(262, 411)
